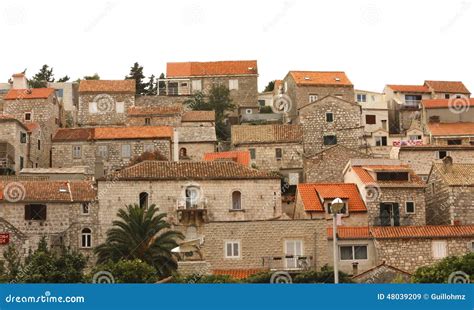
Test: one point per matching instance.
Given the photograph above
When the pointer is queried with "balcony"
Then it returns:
(174, 87)
(288, 262)
(393, 221)
(411, 104)
(192, 211)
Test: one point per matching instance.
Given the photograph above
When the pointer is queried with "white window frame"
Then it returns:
(435, 246)
(75, 150)
(312, 98)
(196, 85)
(414, 207)
(379, 139)
(122, 148)
(437, 154)
(232, 200)
(361, 95)
(292, 263)
(31, 117)
(353, 252)
(88, 243)
(100, 151)
(234, 84)
(233, 243)
(88, 208)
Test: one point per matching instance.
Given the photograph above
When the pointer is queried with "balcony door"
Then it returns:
(389, 214)
(293, 250)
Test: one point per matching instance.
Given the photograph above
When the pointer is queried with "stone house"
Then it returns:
(313, 201)
(105, 102)
(198, 119)
(194, 142)
(454, 110)
(240, 157)
(450, 194)
(393, 193)
(14, 145)
(154, 116)
(67, 95)
(65, 212)
(330, 121)
(106, 149)
(446, 134)
(272, 148)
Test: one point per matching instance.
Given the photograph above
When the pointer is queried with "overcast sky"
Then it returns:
(374, 42)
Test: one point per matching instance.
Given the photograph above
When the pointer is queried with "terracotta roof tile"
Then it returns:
(48, 191)
(312, 193)
(199, 116)
(348, 232)
(107, 86)
(457, 174)
(328, 78)
(73, 134)
(254, 134)
(32, 93)
(451, 129)
(112, 133)
(410, 88)
(363, 172)
(205, 170)
(448, 87)
(155, 111)
(447, 103)
(422, 231)
(241, 157)
(189, 69)
(237, 273)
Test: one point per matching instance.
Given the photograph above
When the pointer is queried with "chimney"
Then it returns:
(175, 144)
(19, 81)
(355, 268)
(99, 169)
(448, 164)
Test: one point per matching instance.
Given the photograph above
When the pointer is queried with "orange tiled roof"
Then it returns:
(348, 232)
(199, 116)
(328, 78)
(30, 93)
(451, 129)
(241, 157)
(147, 111)
(422, 231)
(447, 103)
(237, 273)
(48, 191)
(188, 69)
(18, 74)
(364, 175)
(112, 133)
(251, 134)
(107, 86)
(199, 170)
(312, 193)
(32, 126)
(448, 87)
(410, 88)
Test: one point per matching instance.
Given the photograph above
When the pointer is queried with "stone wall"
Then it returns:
(10, 133)
(195, 150)
(106, 113)
(172, 120)
(292, 155)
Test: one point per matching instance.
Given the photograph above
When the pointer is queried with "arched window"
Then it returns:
(183, 152)
(236, 200)
(143, 198)
(86, 238)
(192, 196)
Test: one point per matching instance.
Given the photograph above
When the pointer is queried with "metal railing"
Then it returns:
(287, 262)
(191, 204)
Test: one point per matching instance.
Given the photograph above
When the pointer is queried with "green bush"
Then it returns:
(440, 272)
(326, 275)
(266, 109)
(129, 271)
(204, 279)
(261, 277)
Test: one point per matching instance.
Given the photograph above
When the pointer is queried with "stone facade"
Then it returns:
(97, 109)
(12, 150)
(329, 117)
(265, 156)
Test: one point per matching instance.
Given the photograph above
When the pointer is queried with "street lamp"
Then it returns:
(336, 206)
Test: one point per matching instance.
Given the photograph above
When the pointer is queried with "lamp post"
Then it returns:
(336, 206)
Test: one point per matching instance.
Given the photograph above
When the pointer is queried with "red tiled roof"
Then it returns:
(237, 273)
(255, 134)
(18, 75)
(448, 103)
(410, 88)
(328, 78)
(348, 232)
(112, 133)
(107, 86)
(47, 191)
(451, 129)
(32, 126)
(151, 111)
(199, 116)
(447, 87)
(312, 193)
(422, 231)
(31, 93)
(188, 69)
(241, 157)
(364, 175)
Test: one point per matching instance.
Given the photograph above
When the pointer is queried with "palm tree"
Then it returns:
(141, 233)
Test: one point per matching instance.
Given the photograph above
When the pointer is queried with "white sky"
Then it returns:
(375, 42)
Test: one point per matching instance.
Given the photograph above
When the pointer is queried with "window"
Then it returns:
(35, 212)
(147, 121)
(236, 200)
(313, 98)
(370, 119)
(59, 93)
(232, 249)
(342, 211)
(393, 176)
(85, 208)
(102, 151)
(439, 249)
(22, 162)
(330, 140)
(28, 116)
(149, 147)
(143, 200)
(183, 153)
(293, 250)
(409, 207)
(233, 84)
(414, 137)
(412, 100)
(278, 153)
(253, 153)
(196, 85)
(441, 154)
(86, 238)
(446, 96)
(384, 124)
(193, 194)
(22, 137)
(329, 117)
(381, 141)
(120, 107)
(76, 151)
(126, 151)
(353, 252)
(454, 142)
(92, 107)
(361, 98)
(261, 103)
(39, 144)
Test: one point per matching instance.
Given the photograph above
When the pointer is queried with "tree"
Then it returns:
(270, 86)
(136, 73)
(41, 79)
(151, 87)
(141, 233)
(129, 271)
(64, 79)
(441, 271)
(13, 262)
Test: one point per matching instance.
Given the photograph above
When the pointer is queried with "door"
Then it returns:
(389, 214)
(293, 250)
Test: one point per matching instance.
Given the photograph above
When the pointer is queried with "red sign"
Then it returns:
(4, 238)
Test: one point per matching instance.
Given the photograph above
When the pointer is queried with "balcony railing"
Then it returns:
(174, 87)
(287, 262)
(393, 221)
(412, 104)
(188, 203)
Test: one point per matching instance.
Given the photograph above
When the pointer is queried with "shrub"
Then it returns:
(440, 272)
(129, 271)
